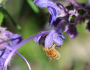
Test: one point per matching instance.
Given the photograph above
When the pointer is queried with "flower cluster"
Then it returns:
(66, 17)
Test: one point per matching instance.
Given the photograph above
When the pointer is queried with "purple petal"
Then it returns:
(52, 10)
(88, 1)
(13, 36)
(14, 39)
(60, 34)
(46, 3)
(72, 31)
(41, 3)
(50, 19)
(37, 39)
(40, 41)
(57, 40)
(49, 39)
(14, 42)
(53, 14)
(56, 22)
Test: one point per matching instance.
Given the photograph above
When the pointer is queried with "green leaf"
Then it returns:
(33, 6)
(14, 23)
(1, 17)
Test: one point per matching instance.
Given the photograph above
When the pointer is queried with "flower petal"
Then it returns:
(89, 1)
(53, 14)
(72, 31)
(56, 22)
(57, 40)
(60, 35)
(49, 39)
(37, 39)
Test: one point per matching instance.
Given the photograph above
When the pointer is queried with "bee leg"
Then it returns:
(49, 59)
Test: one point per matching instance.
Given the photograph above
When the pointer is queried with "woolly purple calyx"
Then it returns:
(88, 26)
(53, 37)
(72, 31)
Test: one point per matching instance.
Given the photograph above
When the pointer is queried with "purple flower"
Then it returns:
(55, 11)
(53, 37)
(8, 41)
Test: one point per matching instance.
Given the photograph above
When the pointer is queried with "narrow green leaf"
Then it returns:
(1, 17)
(33, 6)
(14, 23)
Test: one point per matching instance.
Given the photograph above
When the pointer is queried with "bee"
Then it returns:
(50, 51)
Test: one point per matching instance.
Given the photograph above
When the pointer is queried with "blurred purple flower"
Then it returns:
(55, 11)
(88, 1)
(8, 41)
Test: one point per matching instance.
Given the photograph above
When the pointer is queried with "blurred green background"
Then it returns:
(75, 53)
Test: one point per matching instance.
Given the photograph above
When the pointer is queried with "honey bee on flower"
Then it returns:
(49, 42)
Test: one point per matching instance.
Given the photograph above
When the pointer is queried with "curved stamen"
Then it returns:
(24, 60)
(20, 56)
(20, 44)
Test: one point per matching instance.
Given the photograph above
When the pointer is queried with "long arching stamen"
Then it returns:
(20, 56)
(20, 44)
(24, 60)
